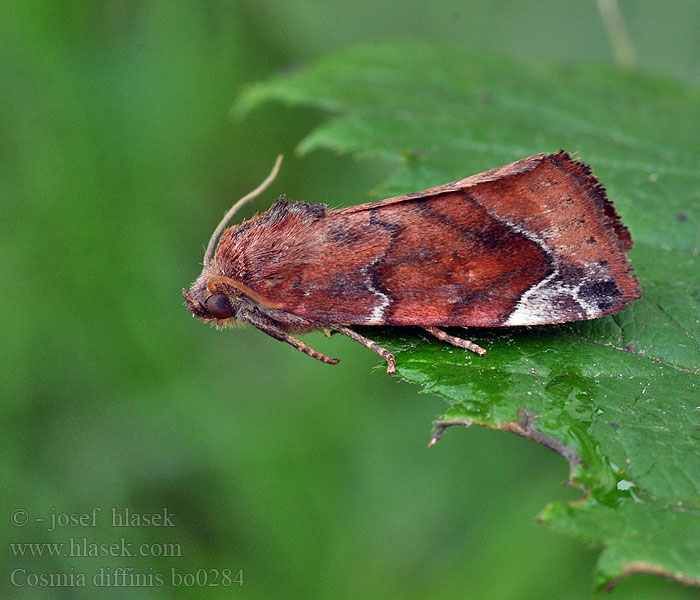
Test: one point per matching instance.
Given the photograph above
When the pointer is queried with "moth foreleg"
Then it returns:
(283, 336)
(455, 341)
(383, 352)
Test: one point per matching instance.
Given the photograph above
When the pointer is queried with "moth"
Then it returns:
(534, 242)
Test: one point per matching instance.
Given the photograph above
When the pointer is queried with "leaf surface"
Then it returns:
(619, 397)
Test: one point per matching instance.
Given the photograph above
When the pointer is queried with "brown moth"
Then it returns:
(531, 243)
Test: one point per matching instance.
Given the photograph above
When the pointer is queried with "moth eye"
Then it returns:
(218, 306)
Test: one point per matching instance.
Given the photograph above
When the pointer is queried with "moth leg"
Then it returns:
(383, 352)
(455, 341)
(283, 336)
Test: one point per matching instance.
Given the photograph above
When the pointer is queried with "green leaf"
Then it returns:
(619, 397)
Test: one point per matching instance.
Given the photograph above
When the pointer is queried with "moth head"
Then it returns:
(218, 299)
(216, 306)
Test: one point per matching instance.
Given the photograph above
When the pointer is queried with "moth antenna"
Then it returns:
(236, 207)
(212, 287)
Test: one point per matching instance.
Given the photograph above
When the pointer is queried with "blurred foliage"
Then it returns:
(117, 160)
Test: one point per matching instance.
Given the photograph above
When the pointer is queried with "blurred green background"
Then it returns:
(117, 159)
